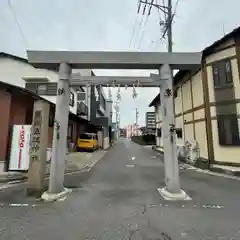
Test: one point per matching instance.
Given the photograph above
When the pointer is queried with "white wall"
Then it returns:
(13, 71)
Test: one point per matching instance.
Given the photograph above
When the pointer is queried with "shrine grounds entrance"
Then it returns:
(165, 63)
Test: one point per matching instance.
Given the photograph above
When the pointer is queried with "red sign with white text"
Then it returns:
(21, 145)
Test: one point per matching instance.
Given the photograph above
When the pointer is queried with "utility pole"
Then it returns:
(117, 119)
(137, 120)
(169, 25)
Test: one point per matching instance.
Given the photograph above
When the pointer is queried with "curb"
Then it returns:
(155, 149)
(11, 178)
(217, 171)
(225, 171)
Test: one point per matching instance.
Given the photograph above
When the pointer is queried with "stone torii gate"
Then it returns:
(64, 61)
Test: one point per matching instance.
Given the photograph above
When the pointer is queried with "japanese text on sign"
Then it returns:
(36, 130)
(168, 92)
(21, 145)
(61, 92)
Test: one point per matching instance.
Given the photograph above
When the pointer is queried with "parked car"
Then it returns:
(87, 141)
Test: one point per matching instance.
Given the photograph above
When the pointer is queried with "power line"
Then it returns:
(18, 24)
(165, 14)
(175, 8)
(138, 30)
(162, 21)
(146, 9)
(133, 32)
(162, 8)
(143, 32)
(166, 21)
(135, 26)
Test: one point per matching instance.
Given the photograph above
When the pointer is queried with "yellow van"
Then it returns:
(87, 141)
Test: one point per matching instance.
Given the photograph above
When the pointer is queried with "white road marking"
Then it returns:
(14, 182)
(130, 166)
(18, 205)
(183, 234)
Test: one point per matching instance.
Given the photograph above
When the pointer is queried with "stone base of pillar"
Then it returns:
(52, 197)
(166, 195)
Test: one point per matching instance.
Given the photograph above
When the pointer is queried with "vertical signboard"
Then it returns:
(19, 155)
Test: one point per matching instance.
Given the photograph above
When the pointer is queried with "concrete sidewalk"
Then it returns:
(78, 169)
(80, 160)
(75, 161)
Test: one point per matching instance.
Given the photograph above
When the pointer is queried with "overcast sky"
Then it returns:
(109, 25)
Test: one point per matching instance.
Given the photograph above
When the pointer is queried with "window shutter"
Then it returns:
(52, 89)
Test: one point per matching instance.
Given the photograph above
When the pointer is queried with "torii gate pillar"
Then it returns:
(172, 190)
(59, 145)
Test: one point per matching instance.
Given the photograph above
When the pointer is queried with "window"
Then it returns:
(222, 73)
(159, 132)
(85, 136)
(216, 78)
(71, 103)
(179, 133)
(81, 96)
(228, 72)
(228, 131)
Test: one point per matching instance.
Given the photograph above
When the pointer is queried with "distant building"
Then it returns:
(123, 132)
(130, 131)
(150, 120)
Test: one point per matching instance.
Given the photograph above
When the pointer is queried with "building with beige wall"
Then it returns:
(207, 104)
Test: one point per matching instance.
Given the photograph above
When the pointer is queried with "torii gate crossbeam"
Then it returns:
(108, 81)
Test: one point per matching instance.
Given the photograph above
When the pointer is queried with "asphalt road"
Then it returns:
(120, 201)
